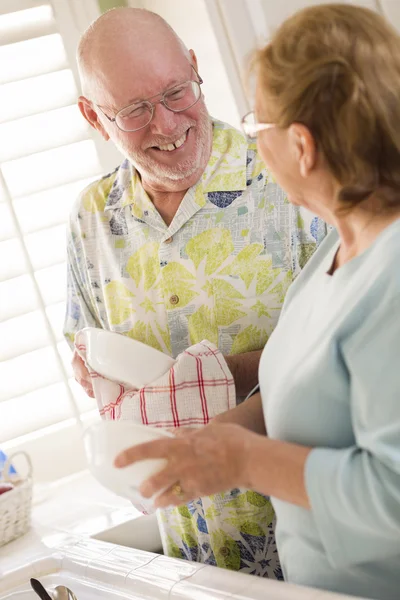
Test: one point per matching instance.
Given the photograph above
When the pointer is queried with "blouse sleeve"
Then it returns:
(355, 492)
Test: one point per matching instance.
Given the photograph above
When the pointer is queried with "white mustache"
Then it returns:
(162, 141)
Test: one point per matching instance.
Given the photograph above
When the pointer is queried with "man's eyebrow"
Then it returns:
(172, 84)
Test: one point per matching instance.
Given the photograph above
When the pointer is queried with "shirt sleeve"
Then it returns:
(355, 492)
(80, 309)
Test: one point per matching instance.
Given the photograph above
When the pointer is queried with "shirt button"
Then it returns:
(225, 551)
(168, 241)
(174, 299)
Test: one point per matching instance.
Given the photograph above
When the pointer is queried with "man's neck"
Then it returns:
(167, 199)
(166, 203)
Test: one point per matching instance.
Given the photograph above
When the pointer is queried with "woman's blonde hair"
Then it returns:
(336, 69)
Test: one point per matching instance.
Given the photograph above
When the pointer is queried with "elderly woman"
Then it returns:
(328, 122)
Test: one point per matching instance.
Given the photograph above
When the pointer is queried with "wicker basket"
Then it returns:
(15, 505)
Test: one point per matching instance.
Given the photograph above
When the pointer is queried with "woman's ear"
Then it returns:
(88, 112)
(303, 148)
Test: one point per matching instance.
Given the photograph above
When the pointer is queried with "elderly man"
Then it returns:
(188, 239)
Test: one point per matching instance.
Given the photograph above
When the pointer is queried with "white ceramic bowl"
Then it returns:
(122, 359)
(104, 440)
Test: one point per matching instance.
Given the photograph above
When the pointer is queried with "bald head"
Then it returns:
(123, 34)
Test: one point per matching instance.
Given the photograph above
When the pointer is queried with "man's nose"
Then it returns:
(164, 121)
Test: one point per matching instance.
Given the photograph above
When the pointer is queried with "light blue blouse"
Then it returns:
(330, 379)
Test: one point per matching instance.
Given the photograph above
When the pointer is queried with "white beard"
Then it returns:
(157, 173)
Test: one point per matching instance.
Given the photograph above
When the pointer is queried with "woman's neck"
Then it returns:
(359, 229)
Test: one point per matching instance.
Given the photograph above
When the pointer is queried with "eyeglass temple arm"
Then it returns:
(200, 79)
(111, 119)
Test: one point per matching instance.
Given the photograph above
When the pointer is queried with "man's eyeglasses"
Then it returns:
(177, 99)
(252, 128)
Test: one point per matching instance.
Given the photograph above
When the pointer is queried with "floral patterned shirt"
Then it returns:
(220, 272)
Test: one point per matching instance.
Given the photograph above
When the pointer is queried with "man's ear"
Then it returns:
(194, 59)
(303, 147)
(88, 112)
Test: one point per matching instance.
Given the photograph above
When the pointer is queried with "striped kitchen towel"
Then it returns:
(197, 388)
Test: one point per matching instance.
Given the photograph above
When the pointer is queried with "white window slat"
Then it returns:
(28, 372)
(3, 195)
(46, 247)
(41, 132)
(17, 296)
(7, 226)
(25, 24)
(56, 315)
(84, 402)
(51, 168)
(12, 259)
(10, 6)
(23, 334)
(40, 408)
(52, 283)
(45, 92)
(48, 208)
(66, 356)
(32, 57)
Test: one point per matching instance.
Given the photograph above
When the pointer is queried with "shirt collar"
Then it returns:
(225, 172)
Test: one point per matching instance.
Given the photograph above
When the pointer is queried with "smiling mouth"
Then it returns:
(172, 146)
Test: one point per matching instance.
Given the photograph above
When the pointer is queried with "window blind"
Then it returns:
(47, 156)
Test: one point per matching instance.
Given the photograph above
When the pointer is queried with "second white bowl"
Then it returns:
(104, 440)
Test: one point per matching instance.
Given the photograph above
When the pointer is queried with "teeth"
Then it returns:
(177, 144)
(167, 148)
(181, 141)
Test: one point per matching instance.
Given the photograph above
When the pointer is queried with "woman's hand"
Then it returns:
(210, 460)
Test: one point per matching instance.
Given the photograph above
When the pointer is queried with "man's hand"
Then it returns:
(249, 414)
(81, 374)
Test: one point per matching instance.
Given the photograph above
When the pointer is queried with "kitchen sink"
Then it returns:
(96, 570)
(84, 590)
(141, 533)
